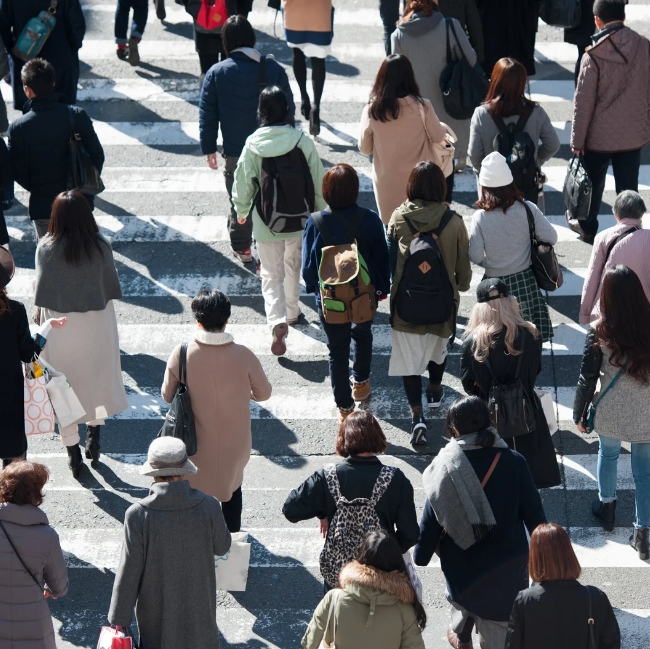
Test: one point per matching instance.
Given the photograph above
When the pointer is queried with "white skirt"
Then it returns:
(312, 51)
(411, 353)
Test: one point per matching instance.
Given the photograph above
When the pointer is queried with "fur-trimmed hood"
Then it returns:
(366, 583)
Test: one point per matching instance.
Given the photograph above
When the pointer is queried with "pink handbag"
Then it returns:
(115, 638)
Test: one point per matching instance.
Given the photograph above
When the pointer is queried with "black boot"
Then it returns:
(314, 120)
(305, 107)
(75, 461)
(605, 512)
(92, 444)
(640, 541)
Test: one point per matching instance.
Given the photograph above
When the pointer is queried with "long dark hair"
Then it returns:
(471, 415)
(395, 80)
(505, 96)
(380, 550)
(72, 222)
(273, 108)
(623, 327)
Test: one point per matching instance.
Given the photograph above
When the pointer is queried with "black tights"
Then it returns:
(413, 384)
(299, 63)
(232, 511)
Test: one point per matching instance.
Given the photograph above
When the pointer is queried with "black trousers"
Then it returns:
(413, 384)
(389, 12)
(232, 511)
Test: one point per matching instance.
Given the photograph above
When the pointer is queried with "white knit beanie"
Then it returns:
(495, 171)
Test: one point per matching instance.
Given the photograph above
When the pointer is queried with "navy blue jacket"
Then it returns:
(371, 241)
(229, 97)
(486, 578)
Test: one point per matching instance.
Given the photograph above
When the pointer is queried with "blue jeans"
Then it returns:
(608, 452)
(140, 13)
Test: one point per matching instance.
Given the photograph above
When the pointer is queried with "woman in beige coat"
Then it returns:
(394, 127)
(222, 377)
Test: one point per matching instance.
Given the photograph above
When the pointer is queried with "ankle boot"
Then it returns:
(640, 541)
(92, 444)
(75, 461)
(314, 120)
(606, 512)
(305, 107)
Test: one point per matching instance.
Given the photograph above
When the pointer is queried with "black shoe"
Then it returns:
(314, 121)
(305, 107)
(122, 53)
(161, 14)
(75, 461)
(134, 54)
(640, 541)
(606, 512)
(92, 444)
(435, 397)
(418, 429)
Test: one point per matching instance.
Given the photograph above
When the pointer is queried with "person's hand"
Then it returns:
(242, 221)
(324, 526)
(582, 428)
(212, 161)
(58, 323)
(578, 151)
(46, 594)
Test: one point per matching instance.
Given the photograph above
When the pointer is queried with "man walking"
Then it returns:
(611, 121)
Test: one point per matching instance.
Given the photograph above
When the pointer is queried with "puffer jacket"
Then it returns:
(25, 621)
(374, 609)
(611, 109)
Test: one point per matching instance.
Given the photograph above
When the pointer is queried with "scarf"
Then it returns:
(455, 492)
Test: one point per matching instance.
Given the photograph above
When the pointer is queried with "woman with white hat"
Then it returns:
(500, 239)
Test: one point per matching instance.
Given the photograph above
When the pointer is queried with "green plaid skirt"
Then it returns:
(532, 305)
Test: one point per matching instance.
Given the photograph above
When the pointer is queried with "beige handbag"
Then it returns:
(442, 153)
(330, 618)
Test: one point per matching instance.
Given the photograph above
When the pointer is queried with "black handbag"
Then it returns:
(545, 265)
(82, 173)
(577, 190)
(179, 420)
(463, 87)
(561, 13)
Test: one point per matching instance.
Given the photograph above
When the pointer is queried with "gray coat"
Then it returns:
(424, 41)
(166, 570)
(25, 621)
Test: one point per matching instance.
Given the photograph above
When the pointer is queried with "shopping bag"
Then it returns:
(67, 406)
(413, 574)
(39, 415)
(546, 399)
(232, 569)
(115, 638)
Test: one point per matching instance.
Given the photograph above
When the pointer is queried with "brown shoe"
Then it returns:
(455, 642)
(360, 391)
(343, 414)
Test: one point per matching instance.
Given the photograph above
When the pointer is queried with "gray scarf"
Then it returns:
(455, 492)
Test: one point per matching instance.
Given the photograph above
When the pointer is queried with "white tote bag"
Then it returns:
(232, 569)
(549, 409)
(413, 574)
(67, 406)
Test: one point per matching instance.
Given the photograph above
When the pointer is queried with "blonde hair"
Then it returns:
(488, 320)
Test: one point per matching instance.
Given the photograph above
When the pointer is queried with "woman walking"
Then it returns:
(506, 105)
(554, 612)
(309, 28)
(499, 239)
(617, 353)
(375, 606)
(423, 36)
(479, 530)
(498, 344)
(76, 278)
(394, 127)
(417, 348)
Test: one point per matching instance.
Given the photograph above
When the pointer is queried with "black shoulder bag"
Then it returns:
(29, 572)
(82, 173)
(545, 265)
(179, 420)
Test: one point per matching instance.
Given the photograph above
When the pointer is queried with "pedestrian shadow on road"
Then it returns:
(111, 503)
(273, 439)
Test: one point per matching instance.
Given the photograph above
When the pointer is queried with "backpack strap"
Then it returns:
(323, 229)
(491, 371)
(383, 480)
(332, 480)
(352, 225)
(619, 238)
(262, 77)
(414, 231)
(446, 217)
(498, 122)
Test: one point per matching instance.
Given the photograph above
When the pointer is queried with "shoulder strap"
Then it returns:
(488, 475)
(498, 122)
(522, 121)
(332, 480)
(352, 225)
(11, 543)
(447, 24)
(524, 331)
(450, 23)
(182, 364)
(324, 231)
(620, 237)
(446, 217)
(591, 622)
(531, 224)
(611, 384)
(73, 129)
(262, 77)
(412, 228)
(381, 484)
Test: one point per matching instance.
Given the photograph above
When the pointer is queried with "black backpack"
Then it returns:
(513, 412)
(425, 295)
(518, 149)
(285, 199)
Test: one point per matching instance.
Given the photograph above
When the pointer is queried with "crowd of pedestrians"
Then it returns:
(483, 515)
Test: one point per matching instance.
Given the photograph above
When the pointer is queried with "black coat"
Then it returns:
(536, 447)
(6, 182)
(39, 148)
(486, 578)
(581, 35)
(16, 345)
(357, 477)
(61, 48)
(554, 614)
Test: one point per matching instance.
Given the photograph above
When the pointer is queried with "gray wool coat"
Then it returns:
(25, 620)
(166, 570)
(424, 41)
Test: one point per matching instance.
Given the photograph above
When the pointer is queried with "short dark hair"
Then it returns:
(471, 415)
(498, 198)
(237, 32)
(609, 11)
(360, 433)
(273, 108)
(426, 182)
(39, 76)
(551, 555)
(21, 483)
(341, 186)
(211, 309)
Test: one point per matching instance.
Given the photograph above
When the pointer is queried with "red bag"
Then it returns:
(114, 638)
(212, 14)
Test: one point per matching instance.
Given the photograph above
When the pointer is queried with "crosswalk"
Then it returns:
(164, 211)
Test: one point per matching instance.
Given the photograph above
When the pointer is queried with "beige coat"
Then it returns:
(397, 146)
(222, 378)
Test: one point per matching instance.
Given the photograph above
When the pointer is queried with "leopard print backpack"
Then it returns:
(352, 520)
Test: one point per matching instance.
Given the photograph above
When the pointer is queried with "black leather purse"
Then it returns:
(545, 265)
(577, 190)
(82, 173)
(561, 13)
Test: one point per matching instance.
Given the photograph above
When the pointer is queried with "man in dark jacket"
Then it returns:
(39, 142)
(229, 99)
(61, 48)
